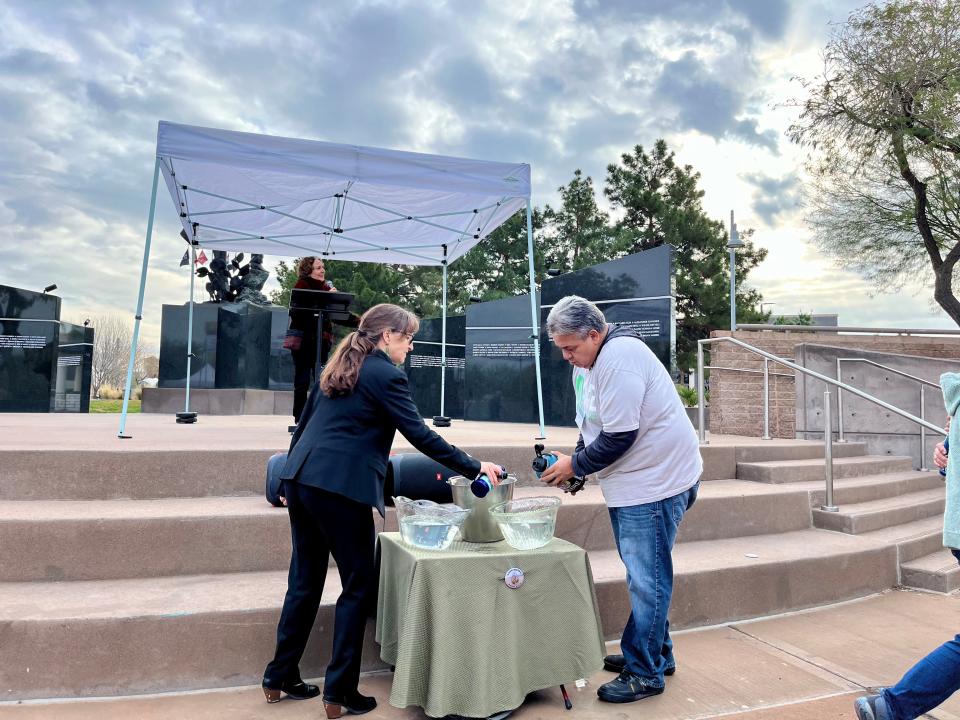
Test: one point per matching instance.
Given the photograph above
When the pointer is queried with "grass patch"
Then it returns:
(113, 406)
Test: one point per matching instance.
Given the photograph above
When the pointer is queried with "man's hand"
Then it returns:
(940, 456)
(561, 470)
(491, 470)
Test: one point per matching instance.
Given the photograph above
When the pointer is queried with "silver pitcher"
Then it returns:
(479, 527)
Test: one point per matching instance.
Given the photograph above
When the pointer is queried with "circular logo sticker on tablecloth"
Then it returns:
(514, 578)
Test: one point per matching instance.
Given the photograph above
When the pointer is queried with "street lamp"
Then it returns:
(765, 303)
(732, 246)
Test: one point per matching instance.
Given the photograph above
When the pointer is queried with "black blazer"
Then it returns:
(342, 444)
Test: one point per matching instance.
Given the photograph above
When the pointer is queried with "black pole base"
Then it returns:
(441, 421)
(186, 418)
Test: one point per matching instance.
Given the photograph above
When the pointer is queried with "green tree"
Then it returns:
(661, 202)
(578, 233)
(883, 128)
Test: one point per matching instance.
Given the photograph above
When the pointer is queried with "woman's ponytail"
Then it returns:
(339, 376)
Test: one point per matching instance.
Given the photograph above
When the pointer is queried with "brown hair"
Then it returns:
(339, 377)
(305, 266)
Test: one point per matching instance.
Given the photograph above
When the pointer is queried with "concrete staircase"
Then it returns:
(135, 572)
(881, 499)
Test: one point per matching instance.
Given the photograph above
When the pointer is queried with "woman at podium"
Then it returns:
(312, 276)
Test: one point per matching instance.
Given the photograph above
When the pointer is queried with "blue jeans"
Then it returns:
(645, 535)
(928, 683)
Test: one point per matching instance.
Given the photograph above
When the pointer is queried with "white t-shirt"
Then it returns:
(629, 389)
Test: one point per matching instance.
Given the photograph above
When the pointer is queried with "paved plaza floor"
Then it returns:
(802, 665)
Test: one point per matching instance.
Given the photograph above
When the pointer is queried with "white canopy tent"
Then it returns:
(244, 192)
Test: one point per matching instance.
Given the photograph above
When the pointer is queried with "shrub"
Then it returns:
(688, 395)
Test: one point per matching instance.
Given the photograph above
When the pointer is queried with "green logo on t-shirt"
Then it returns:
(578, 390)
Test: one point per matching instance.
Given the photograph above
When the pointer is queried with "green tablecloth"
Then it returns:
(464, 643)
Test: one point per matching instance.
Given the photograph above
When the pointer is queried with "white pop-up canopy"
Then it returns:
(254, 193)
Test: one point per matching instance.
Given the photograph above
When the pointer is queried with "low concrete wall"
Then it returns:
(205, 401)
(884, 432)
(736, 398)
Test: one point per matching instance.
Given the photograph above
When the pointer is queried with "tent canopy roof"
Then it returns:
(285, 196)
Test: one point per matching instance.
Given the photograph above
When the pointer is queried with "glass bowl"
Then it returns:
(432, 527)
(527, 523)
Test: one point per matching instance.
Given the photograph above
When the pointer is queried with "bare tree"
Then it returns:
(111, 353)
(883, 127)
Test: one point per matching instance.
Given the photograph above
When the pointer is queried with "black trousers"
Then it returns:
(324, 523)
(304, 366)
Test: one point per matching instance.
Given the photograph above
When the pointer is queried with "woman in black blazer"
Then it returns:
(333, 475)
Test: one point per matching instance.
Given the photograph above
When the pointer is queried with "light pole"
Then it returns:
(732, 246)
(765, 303)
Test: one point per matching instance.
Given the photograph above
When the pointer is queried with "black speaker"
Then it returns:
(417, 477)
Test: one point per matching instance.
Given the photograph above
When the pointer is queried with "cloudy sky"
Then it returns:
(560, 84)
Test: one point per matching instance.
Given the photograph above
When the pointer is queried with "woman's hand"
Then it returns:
(492, 470)
(940, 456)
(561, 470)
(331, 288)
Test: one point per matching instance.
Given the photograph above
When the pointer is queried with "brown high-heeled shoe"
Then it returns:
(350, 704)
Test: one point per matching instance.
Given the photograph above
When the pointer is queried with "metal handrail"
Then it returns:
(827, 430)
(857, 330)
(923, 401)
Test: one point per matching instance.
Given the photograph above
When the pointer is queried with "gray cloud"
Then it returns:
(566, 86)
(706, 101)
(774, 197)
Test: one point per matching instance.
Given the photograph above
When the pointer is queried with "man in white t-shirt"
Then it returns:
(636, 438)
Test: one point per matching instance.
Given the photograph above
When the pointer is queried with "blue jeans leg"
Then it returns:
(928, 683)
(645, 535)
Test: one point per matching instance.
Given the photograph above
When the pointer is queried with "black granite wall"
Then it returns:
(501, 380)
(637, 291)
(74, 368)
(29, 334)
(235, 345)
(423, 366)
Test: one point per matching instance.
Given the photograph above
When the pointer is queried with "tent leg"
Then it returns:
(534, 315)
(139, 315)
(442, 420)
(186, 417)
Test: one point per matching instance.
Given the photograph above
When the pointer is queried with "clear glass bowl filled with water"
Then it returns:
(527, 523)
(432, 527)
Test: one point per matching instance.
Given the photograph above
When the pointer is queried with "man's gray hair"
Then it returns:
(574, 315)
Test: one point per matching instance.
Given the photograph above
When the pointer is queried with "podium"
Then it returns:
(320, 306)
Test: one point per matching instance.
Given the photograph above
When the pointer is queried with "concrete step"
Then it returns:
(720, 458)
(847, 491)
(791, 471)
(113, 539)
(863, 517)
(170, 468)
(95, 638)
(937, 571)
(912, 540)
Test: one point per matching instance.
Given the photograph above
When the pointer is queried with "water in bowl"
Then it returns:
(528, 534)
(426, 532)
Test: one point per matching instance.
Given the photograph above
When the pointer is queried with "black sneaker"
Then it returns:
(627, 688)
(616, 663)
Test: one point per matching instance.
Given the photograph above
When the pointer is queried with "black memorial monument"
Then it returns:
(423, 366)
(29, 336)
(636, 291)
(74, 368)
(501, 381)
